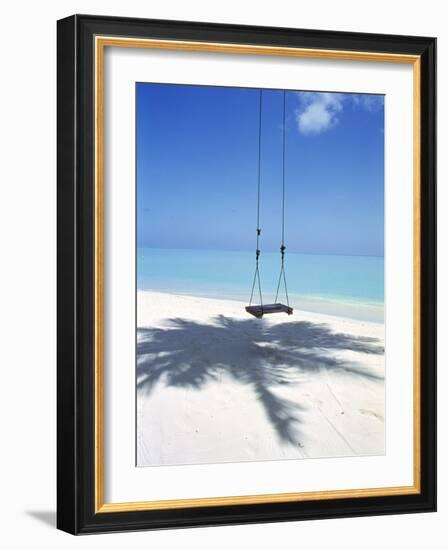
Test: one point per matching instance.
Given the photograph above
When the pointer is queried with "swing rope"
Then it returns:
(257, 252)
(282, 275)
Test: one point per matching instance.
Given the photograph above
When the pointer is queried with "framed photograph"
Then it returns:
(246, 274)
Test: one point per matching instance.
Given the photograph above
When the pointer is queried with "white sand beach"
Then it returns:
(214, 384)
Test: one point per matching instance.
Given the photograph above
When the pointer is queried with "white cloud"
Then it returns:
(319, 111)
(371, 103)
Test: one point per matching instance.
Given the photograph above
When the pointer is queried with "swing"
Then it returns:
(263, 309)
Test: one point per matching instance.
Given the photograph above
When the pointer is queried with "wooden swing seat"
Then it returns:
(259, 311)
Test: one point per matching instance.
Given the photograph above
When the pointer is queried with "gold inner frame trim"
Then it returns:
(101, 42)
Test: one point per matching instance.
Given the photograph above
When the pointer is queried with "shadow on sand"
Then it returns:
(188, 354)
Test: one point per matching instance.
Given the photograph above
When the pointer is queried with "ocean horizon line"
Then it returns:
(277, 251)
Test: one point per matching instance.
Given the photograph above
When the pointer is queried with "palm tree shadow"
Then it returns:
(188, 354)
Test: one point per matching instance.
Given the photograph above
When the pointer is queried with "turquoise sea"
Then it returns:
(348, 286)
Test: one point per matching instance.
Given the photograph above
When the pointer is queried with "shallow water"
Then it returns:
(349, 286)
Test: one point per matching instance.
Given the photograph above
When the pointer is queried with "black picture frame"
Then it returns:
(76, 511)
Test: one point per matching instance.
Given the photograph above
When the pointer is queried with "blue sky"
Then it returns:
(197, 166)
